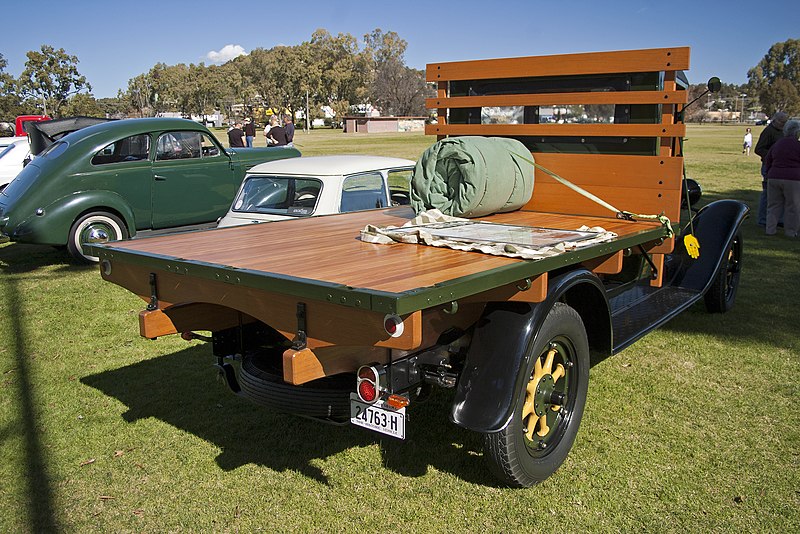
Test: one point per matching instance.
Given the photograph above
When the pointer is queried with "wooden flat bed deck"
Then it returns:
(323, 258)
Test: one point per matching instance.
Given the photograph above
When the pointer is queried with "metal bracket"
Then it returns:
(452, 309)
(649, 260)
(299, 342)
(153, 304)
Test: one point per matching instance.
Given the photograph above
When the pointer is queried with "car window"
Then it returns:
(399, 185)
(133, 148)
(208, 149)
(363, 192)
(179, 145)
(279, 195)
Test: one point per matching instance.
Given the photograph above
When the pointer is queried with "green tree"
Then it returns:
(782, 62)
(113, 107)
(206, 88)
(81, 104)
(781, 95)
(139, 95)
(9, 101)
(50, 77)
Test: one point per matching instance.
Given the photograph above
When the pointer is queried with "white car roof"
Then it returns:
(8, 141)
(329, 165)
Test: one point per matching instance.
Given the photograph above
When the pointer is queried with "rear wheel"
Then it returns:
(721, 296)
(554, 381)
(92, 228)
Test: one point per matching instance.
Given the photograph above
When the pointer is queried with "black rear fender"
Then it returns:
(487, 389)
(715, 227)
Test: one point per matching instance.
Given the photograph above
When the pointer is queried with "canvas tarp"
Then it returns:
(389, 235)
(473, 177)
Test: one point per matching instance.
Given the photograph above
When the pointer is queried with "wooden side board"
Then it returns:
(643, 184)
(648, 60)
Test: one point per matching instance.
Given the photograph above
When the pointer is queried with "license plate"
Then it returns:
(378, 417)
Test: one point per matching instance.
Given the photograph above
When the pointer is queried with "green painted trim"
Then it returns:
(379, 301)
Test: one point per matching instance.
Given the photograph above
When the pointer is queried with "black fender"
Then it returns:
(715, 227)
(490, 383)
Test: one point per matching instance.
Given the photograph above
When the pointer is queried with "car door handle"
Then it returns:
(160, 178)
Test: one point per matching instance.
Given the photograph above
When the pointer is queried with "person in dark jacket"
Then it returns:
(768, 137)
(236, 136)
(249, 132)
(277, 136)
(288, 125)
(783, 181)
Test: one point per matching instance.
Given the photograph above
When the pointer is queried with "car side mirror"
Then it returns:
(714, 85)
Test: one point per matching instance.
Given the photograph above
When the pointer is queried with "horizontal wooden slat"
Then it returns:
(630, 183)
(554, 197)
(547, 99)
(649, 60)
(589, 130)
(654, 172)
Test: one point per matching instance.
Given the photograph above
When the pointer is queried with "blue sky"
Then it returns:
(115, 41)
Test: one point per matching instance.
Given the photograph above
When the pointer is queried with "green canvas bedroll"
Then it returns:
(473, 177)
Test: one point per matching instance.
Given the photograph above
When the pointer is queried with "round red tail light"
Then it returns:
(393, 325)
(368, 384)
(366, 390)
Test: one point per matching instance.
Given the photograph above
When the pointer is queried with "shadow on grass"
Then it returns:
(178, 389)
(16, 258)
(41, 517)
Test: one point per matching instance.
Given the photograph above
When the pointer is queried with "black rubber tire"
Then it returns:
(326, 398)
(515, 459)
(108, 223)
(721, 295)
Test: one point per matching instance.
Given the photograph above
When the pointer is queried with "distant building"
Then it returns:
(353, 124)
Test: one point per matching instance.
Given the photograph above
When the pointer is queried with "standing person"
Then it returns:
(783, 181)
(271, 123)
(748, 142)
(768, 137)
(236, 136)
(277, 136)
(288, 125)
(249, 132)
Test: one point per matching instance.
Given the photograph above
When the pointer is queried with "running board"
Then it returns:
(642, 309)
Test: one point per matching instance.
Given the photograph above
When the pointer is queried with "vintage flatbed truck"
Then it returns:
(308, 318)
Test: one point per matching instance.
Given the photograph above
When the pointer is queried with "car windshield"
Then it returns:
(279, 195)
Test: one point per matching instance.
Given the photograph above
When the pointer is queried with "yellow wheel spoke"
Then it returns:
(543, 428)
(548, 363)
(558, 373)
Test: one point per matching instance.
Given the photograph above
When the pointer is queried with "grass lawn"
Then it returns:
(694, 428)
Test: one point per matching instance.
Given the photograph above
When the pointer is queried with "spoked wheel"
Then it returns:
(537, 439)
(721, 296)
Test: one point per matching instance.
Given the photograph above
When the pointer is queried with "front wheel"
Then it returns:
(548, 412)
(92, 228)
(721, 296)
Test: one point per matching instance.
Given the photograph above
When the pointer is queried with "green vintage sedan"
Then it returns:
(118, 179)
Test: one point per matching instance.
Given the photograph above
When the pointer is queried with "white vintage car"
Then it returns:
(13, 151)
(320, 185)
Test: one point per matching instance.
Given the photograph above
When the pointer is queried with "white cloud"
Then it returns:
(227, 53)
